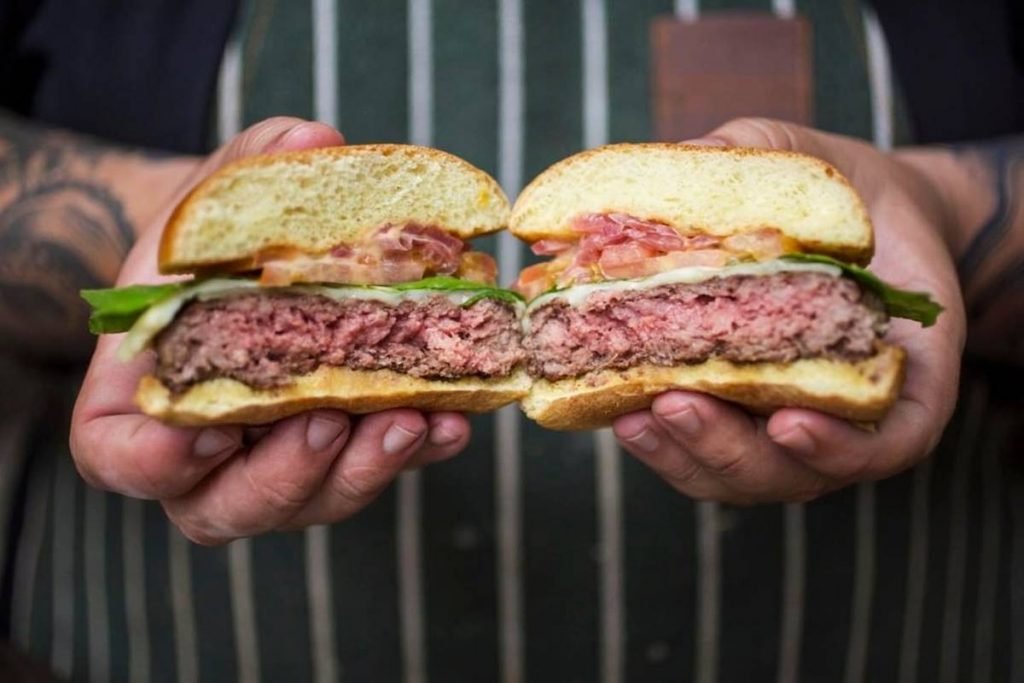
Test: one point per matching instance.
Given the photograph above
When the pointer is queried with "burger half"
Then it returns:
(336, 277)
(734, 272)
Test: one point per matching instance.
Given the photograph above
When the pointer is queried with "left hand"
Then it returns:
(711, 450)
(224, 482)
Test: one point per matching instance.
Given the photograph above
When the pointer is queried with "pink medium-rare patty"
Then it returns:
(263, 340)
(780, 317)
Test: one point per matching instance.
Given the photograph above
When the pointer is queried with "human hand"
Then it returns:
(711, 450)
(221, 483)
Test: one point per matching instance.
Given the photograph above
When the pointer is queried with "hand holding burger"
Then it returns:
(224, 481)
(710, 449)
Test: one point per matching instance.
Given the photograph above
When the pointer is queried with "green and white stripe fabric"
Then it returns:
(534, 556)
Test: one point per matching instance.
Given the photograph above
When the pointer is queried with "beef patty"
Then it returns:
(780, 317)
(263, 340)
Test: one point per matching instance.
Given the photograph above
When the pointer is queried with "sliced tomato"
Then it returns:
(477, 266)
(535, 280)
(627, 260)
(761, 244)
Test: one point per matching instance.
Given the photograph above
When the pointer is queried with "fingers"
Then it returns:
(645, 439)
(117, 448)
(732, 445)
(448, 435)
(709, 449)
(312, 469)
(262, 489)
(843, 452)
(138, 456)
(380, 448)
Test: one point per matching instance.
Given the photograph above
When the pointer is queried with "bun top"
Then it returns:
(314, 200)
(716, 190)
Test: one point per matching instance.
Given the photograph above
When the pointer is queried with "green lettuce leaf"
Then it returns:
(899, 303)
(443, 283)
(117, 309)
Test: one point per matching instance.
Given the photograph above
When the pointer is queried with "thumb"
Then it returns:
(278, 134)
(762, 133)
(854, 158)
(838, 150)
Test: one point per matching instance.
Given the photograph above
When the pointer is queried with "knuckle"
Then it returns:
(200, 537)
(154, 484)
(89, 474)
(359, 485)
(854, 467)
(725, 465)
(681, 471)
(195, 530)
(280, 494)
(83, 456)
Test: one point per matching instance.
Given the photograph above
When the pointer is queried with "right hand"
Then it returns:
(221, 483)
(709, 449)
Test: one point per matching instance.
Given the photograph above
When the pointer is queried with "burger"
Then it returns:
(336, 277)
(733, 272)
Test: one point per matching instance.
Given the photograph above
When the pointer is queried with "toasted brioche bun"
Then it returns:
(313, 200)
(222, 401)
(860, 391)
(716, 190)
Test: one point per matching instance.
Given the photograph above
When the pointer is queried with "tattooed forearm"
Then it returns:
(992, 264)
(63, 227)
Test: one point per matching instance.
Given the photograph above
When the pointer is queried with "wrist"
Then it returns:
(145, 185)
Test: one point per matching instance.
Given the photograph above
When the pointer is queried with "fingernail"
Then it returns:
(268, 137)
(323, 430)
(645, 440)
(685, 420)
(298, 131)
(443, 435)
(300, 134)
(211, 442)
(796, 439)
(398, 438)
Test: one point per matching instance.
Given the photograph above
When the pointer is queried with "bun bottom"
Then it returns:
(861, 391)
(226, 401)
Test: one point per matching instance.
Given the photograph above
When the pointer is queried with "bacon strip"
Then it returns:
(394, 254)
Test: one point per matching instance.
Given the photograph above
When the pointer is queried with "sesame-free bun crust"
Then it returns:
(313, 200)
(861, 391)
(716, 190)
(225, 401)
